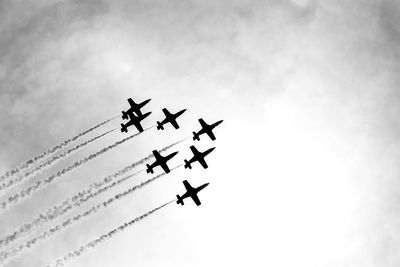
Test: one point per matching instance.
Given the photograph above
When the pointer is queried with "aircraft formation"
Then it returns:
(38, 228)
(135, 117)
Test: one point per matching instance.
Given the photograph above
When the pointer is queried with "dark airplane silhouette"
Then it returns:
(135, 108)
(191, 192)
(198, 156)
(171, 118)
(206, 129)
(134, 120)
(160, 161)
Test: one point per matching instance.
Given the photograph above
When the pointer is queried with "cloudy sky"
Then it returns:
(305, 172)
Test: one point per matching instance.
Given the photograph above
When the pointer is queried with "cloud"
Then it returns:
(308, 87)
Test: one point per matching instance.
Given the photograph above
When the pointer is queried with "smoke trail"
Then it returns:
(52, 150)
(94, 243)
(11, 253)
(50, 161)
(77, 199)
(12, 200)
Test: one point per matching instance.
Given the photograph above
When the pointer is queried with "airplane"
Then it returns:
(160, 161)
(134, 120)
(198, 156)
(206, 129)
(191, 192)
(134, 108)
(171, 118)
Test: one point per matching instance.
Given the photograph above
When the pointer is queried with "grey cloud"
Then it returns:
(335, 59)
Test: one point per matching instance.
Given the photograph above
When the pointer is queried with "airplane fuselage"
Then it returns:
(198, 156)
(170, 118)
(206, 129)
(191, 192)
(134, 120)
(160, 161)
(134, 108)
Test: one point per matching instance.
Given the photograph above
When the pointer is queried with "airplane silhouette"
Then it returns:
(135, 108)
(198, 156)
(206, 129)
(160, 161)
(191, 192)
(134, 120)
(171, 118)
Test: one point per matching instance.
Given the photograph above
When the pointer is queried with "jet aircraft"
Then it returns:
(198, 156)
(171, 118)
(134, 120)
(160, 161)
(134, 108)
(191, 192)
(206, 129)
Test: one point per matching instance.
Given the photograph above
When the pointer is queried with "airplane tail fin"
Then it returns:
(159, 126)
(180, 200)
(196, 136)
(124, 115)
(149, 169)
(187, 164)
(123, 128)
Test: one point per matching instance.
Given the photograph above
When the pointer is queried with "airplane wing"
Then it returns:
(129, 123)
(203, 163)
(196, 199)
(139, 126)
(187, 186)
(195, 151)
(164, 166)
(203, 123)
(211, 135)
(157, 155)
(131, 102)
(175, 124)
(166, 112)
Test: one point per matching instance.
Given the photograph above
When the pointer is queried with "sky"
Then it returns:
(305, 170)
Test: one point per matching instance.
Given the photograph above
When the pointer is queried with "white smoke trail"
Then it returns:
(77, 199)
(94, 243)
(49, 162)
(24, 193)
(8, 254)
(56, 211)
(52, 150)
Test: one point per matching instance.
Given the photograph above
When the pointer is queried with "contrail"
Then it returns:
(50, 161)
(56, 211)
(12, 200)
(13, 252)
(94, 243)
(77, 199)
(52, 150)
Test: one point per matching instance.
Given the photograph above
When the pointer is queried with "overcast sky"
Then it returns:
(305, 171)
